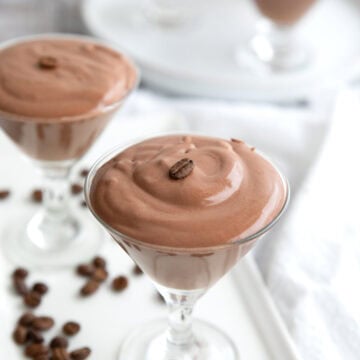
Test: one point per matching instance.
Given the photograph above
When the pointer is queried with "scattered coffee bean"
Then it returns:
(20, 273)
(35, 337)
(37, 196)
(34, 350)
(4, 194)
(43, 323)
(89, 288)
(181, 169)
(99, 262)
(59, 342)
(76, 189)
(80, 354)
(100, 275)
(32, 299)
(26, 319)
(41, 288)
(120, 283)
(71, 328)
(59, 353)
(20, 286)
(85, 270)
(48, 62)
(20, 335)
(136, 270)
(84, 172)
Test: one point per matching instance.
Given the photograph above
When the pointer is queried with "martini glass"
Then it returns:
(182, 276)
(57, 234)
(275, 46)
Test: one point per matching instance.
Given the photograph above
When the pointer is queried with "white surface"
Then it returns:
(199, 58)
(107, 317)
(313, 268)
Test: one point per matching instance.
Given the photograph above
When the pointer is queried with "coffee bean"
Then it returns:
(80, 354)
(41, 288)
(89, 288)
(84, 172)
(120, 283)
(85, 270)
(48, 62)
(43, 323)
(59, 342)
(60, 353)
(34, 350)
(99, 262)
(181, 169)
(4, 194)
(37, 196)
(100, 275)
(35, 337)
(20, 273)
(32, 299)
(20, 335)
(26, 319)
(76, 189)
(137, 270)
(20, 286)
(83, 204)
(71, 328)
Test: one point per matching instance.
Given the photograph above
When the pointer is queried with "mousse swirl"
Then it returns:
(232, 192)
(82, 79)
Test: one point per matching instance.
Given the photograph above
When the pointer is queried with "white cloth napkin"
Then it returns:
(311, 264)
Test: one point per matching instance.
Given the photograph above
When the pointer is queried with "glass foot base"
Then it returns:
(78, 240)
(148, 342)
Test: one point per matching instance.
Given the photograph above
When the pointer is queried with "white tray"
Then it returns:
(199, 59)
(239, 304)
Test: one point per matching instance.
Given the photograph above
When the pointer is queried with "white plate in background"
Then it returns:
(199, 58)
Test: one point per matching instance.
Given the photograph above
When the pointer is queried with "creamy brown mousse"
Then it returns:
(56, 94)
(178, 229)
(284, 12)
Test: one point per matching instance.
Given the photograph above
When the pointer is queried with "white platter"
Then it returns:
(199, 58)
(239, 304)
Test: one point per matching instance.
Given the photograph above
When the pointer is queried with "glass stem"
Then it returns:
(180, 324)
(278, 46)
(281, 38)
(53, 226)
(180, 306)
(55, 192)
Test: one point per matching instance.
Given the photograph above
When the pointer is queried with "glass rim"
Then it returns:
(89, 39)
(119, 148)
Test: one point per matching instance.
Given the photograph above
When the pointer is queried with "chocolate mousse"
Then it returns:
(284, 12)
(177, 203)
(57, 93)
